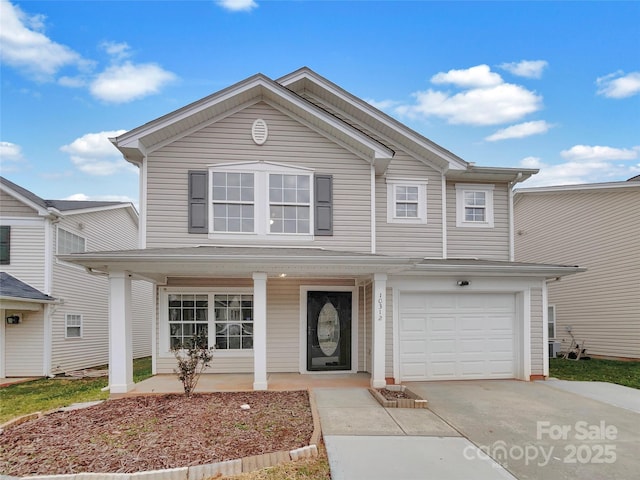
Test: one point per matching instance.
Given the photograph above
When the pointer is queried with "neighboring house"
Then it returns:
(303, 230)
(54, 315)
(597, 226)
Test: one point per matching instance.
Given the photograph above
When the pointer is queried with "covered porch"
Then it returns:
(277, 281)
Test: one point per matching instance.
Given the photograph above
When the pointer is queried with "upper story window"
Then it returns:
(5, 245)
(474, 205)
(406, 200)
(70, 242)
(261, 198)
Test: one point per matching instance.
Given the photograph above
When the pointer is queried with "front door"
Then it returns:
(328, 331)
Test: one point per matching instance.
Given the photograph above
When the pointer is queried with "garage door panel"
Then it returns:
(463, 336)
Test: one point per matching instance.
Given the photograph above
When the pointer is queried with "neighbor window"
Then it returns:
(261, 198)
(188, 318)
(474, 205)
(551, 315)
(69, 242)
(234, 322)
(73, 325)
(5, 245)
(406, 200)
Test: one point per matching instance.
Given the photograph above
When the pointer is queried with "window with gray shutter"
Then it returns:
(198, 215)
(324, 205)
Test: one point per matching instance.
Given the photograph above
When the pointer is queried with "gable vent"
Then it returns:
(259, 131)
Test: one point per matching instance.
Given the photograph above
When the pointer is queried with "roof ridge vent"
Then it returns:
(259, 131)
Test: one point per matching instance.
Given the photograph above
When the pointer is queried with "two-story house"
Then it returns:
(53, 314)
(598, 226)
(303, 230)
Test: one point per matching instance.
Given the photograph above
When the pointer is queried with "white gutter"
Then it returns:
(512, 254)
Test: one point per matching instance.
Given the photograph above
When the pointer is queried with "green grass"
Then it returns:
(47, 394)
(596, 370)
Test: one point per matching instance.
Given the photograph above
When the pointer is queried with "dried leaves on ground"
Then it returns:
(157, 432)
(392, 394)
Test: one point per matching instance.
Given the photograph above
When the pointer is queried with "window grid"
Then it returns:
(406, 201)
(73, 325)
(69, 242)
(233, 202)
(289, 203)
(234, 322)
(475, 206)
(188, 318)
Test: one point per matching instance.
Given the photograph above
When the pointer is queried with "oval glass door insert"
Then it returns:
(328, 329)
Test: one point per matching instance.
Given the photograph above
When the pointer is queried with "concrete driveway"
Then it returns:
(539, 432)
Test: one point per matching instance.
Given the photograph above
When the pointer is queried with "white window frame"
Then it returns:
(392, 186)
(75, 234)
(74, 316)
(551, 320)
(261, 212)
(461, 189)
(164, 349)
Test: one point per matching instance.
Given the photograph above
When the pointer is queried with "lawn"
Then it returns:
(596, 370)
(49, 393)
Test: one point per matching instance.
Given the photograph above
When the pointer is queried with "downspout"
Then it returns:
(443, 182)
(47, 351)
(142, 220)
(373, 209)
(511, 219)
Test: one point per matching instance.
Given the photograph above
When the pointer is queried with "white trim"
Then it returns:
(545, 328)
(2, 343)
(379, 320)
(510, 209)
(47, 348)
(67, 326)
(577, 187)
(443, 196)
(22, 221)
(49, 255)
(461, 189)
(395, 326)
(304, 289)
(260, 331)
(154, 328)
(142, 223)
(40, 210)
(120, 333)
(392, 184)
(372, 198)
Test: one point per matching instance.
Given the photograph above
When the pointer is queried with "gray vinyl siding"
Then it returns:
(23, 343)
(10, 207)
(537, 329)
(283, 325)
(598, 230)
(482, 243)
(229, 140)
(27, 254)
(410, 239)
(88, 295)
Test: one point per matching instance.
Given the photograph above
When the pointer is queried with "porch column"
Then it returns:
(378, 330)
(120, 333)
(259, 331)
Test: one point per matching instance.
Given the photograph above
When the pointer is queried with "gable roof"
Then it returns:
(57, 207)
(12, 288)
(584, 187)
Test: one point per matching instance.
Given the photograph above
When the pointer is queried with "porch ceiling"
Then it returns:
(157, 264)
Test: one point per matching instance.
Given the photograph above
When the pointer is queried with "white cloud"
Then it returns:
(382, 104)
(485, 100)
(10, 152)
(94, 154)
(127, 82)
(599, 153)
(478, 76)
(117, 51)
(237, 5)
(618, 85)
(23, 45)
(99, 198)
(526, 68)
(520, 131)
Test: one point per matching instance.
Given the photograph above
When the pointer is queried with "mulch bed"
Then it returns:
(157, 432)
(392, 394)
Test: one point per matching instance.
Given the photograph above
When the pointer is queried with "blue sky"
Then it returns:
(549, 85)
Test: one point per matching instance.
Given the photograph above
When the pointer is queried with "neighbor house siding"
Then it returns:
(229, 140)
(27, 254)
(23, 342)
(11, 207)
(482, 243)
(417, 239)
(537, 329)
(88, 295)
(598, 230)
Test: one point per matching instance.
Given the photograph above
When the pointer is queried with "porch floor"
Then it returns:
(169, 383)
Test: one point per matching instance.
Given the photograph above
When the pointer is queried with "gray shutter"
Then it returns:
(198, 216)
(323, 205)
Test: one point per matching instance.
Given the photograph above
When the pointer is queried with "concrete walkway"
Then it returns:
(617, 395)
(367, 442)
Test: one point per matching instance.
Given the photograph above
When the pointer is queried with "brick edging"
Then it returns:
(414, 402)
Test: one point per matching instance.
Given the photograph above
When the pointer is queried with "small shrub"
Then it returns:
(193, 358)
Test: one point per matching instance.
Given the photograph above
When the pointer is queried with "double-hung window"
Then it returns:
(234, 321)
(406, 200)
(261, 198)
(474, 205)
(188, 319)
(73, 325)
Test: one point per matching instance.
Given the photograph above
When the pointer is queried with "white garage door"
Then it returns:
(456, 336)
